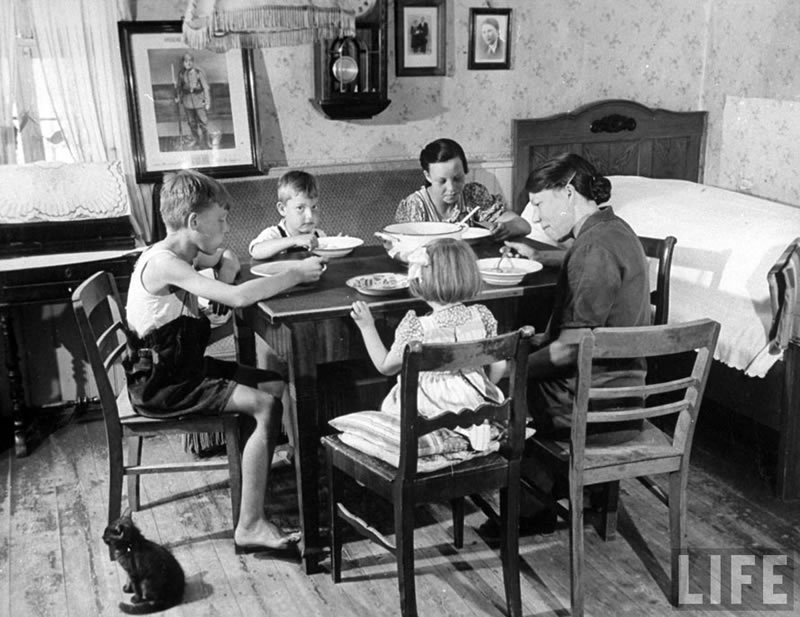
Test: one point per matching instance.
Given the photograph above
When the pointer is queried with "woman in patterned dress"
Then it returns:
(447, 196)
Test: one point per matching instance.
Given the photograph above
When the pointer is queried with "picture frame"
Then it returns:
(420, 37)
(198, 114)
(489, 39)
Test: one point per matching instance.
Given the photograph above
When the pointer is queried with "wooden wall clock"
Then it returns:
(350, 72)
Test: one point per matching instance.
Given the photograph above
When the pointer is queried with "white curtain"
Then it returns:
(8, 81)
(79, 49)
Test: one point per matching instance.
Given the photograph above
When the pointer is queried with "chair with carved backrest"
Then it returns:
(100, 316)
(405, 487)
(653, 452)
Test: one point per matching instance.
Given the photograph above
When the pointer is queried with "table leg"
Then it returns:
(15, 390)
(302, 367)
(303, 415)
(244, 339)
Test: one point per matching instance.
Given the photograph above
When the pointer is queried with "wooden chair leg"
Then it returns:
(607, 528)
(404, 552)
(115, 479)
(134, 458)
(509, 549)
(458, 521)
(233, 449)
(335, 491)
(677, 529)
(576, 547)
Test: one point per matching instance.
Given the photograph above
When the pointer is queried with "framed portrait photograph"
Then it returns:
(420, 37)
(489, 39)
(188, 108)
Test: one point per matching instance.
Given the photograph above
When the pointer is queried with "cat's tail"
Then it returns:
(143, 608)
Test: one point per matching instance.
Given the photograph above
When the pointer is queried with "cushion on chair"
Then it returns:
(382, 430)
(425, 464)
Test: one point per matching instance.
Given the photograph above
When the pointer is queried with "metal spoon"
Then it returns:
(505, 253)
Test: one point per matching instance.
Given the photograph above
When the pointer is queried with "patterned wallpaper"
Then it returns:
(759, 152)
(676, 54)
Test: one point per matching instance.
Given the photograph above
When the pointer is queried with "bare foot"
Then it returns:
(266, 534)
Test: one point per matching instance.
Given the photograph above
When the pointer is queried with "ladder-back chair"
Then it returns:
(653, 451)
(405, 487)
(100, 316)
(660, 249)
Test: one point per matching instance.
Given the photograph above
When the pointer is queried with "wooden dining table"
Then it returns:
(310, 325)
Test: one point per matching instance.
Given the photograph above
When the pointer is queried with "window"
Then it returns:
(39, 135)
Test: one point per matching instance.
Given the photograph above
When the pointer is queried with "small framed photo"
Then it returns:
(187, 107)
(420, 37)
(489, 39)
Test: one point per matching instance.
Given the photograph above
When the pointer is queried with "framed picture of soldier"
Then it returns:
(420, 37)
(187, 108)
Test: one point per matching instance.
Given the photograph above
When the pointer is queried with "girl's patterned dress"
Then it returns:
(446, 390)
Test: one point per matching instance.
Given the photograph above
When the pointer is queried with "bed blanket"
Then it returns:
(727, 243)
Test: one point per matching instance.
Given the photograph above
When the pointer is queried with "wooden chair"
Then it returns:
(660, 249)
(100, 314)
(784, 293)
(404, 487)
(653, 452)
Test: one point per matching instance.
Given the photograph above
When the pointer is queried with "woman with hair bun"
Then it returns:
(603, 282)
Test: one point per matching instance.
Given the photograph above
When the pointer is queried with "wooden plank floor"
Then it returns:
(53, 561)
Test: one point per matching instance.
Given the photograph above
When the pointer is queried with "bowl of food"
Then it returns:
(379, 284)
(400, 239)
(332, 247)
(506, 270)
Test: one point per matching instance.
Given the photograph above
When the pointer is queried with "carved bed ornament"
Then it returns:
(613, 123)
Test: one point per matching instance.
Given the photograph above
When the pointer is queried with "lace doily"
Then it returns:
(38, 192)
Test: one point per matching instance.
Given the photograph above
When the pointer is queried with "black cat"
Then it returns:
(156, 578)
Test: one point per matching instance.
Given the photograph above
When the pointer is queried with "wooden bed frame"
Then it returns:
(626, 138)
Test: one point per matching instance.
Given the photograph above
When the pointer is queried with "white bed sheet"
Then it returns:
(727, 242)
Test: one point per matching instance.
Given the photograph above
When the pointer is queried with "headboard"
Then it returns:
(618, 137)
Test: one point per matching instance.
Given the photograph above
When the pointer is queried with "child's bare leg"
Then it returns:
(253, 527)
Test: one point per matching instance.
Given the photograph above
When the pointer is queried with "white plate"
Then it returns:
(336, 246)
(475, 233)
(380, 284)
(511, 272)
(273, 268)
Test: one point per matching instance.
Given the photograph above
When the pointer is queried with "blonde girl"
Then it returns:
(445, 274)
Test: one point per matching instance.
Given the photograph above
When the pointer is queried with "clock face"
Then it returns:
(364, 6)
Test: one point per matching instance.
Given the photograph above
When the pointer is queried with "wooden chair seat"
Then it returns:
(406, 488)
(652, 444)
(379, 475)
(100, 316)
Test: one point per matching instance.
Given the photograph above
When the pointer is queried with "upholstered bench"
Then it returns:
(352, 203)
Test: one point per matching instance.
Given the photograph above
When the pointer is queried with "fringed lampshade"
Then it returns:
(221, 25)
